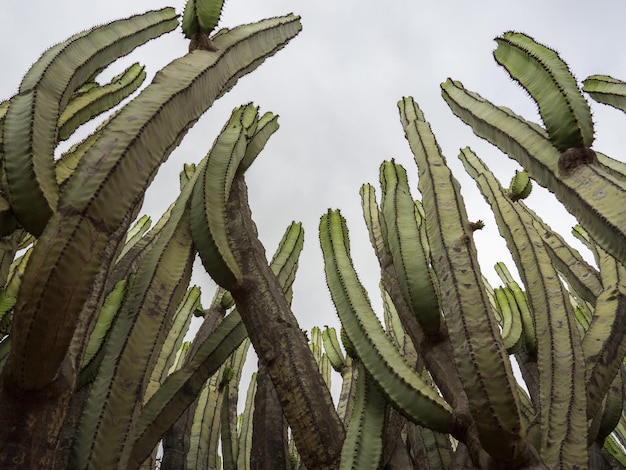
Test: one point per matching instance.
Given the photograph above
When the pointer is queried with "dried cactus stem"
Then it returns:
(574, 157)
(478, 225)
(203, 42)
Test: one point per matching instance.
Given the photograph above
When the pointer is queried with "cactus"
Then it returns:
(112, 309)
(109, 303)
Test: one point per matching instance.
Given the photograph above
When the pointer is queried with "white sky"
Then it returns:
(335, 87)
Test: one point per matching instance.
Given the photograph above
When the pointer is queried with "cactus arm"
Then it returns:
(487, 376)
(581, 276)
(6, 304)
(11, 289)
(208, 13)
(541, 71)
(613, 167)
(30, 133)
(189, 22)
(403, 386)
(239, 143)
(428, 449)
(604, 344)
(201, 16)
(374, 222)
(400, 222)
(372, 216)
(135, 234)
(208, 205)
(265, 128)
(436, 350)
(202, 422)
(66, 165)
(177, 329)
(325, 368)
(620, 430)
(98, 338)
(8, 222)
(511, 319)
(528, 409)
(345, 405)
(284, 263)
(127, 264)
(96, 100)
(521, 299)
(228, 440)
(607, 90)
(110, 307)
(559, 349)
(615, 451)
(18, 240)
(586, 192)
(333, 350)
(245, 427)
(363, 446)
(393, 324)
(315, 345)
(612, 408)
(205, 428)
(228, 428)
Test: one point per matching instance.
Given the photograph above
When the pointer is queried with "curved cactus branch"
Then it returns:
(97, 99)
(401, 232)
(547, 78)
(607, 90)
(403, 386)
(209, 223)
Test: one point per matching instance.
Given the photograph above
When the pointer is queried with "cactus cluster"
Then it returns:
(95, 303)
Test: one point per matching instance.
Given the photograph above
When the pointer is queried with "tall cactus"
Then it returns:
(94, 367)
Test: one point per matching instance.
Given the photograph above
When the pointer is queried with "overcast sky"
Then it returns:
(335, 87)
